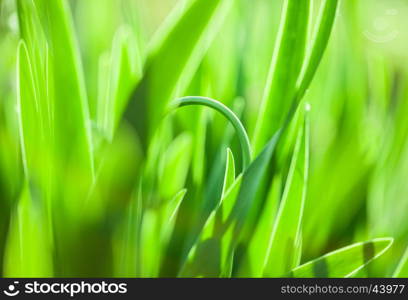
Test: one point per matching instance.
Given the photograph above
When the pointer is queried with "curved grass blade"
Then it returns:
(281, 257)
(345, 261)
(284, 71)
(186, 235)
(28, 250)
(402, 268)
(227, 113)
(213, 186)
(173, 60)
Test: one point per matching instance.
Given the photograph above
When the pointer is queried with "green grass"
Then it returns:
(117, 161)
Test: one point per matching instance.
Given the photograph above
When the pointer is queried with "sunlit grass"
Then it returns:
(116, 161)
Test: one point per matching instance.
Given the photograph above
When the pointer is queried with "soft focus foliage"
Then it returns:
(115, 161)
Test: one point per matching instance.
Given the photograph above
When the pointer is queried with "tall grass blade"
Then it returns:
(320, 39)
(281, 257)
(28, 109)
(71, 109)
(286, 65)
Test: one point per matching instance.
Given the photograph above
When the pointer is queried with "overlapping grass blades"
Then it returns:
(117, 78)
(114, 176)
(212, 255)
(226, 112)
(189, 237)
(49, 157)
(285, 241)
(345, 261)
(230, 230)
(35, 102)
(170, 64)
(278, 216)
(286, 65)
(71, 117)
(294, 63)
(29, 244)
(169, 68)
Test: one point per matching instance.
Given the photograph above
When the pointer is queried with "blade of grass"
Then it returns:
(305, 64)
(186, 237)
(71, 109)
(229, 177)
(253, 263)
(95, 38)
(28, 108)
(34, 111)
(176, 165)
(226, 112)
(214, 184)
(156, 228)
(32, 33)
(402, 268)
(211, 256)
(285, 68)
(345, 261)
(35, 97)
(171, 63)
(168, 216)
(320, 39)
(228, 234)
(124, 72)
(28, 249)
(281, 257)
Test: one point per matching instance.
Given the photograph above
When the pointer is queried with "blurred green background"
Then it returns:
(358, 174)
